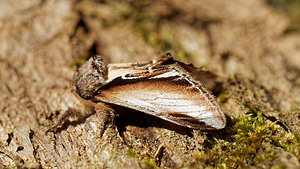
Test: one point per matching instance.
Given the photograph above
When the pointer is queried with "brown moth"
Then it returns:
(164, 88)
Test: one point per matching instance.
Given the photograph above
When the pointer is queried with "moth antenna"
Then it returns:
(87, 102)
(90, 76)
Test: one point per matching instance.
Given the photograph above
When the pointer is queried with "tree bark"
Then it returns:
(43, 42)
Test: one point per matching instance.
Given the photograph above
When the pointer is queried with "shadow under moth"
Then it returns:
(163, 87)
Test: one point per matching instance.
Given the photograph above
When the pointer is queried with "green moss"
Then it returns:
(133, 154)
(249, 140)
(222, 96)
(149, 25)
(277, 167)
(291, 8)
(148, 162)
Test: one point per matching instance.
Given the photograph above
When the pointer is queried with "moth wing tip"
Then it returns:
(219, 123)
(215, 122)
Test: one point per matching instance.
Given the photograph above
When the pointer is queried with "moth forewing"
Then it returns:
(163, 88)
(166, 93)
(119, 69)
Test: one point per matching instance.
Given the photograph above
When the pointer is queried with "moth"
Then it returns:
(163, 87)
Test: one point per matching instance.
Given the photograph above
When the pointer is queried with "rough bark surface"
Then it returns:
(42, 42)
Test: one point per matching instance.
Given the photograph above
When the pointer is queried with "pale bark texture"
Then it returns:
(246, 43)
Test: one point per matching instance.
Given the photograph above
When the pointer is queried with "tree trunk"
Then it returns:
(244, 42)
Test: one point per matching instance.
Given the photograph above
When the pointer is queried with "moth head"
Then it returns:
(90, 76)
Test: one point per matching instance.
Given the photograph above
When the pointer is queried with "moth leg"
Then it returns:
(65, 120)
(100, 108)
(104, 119)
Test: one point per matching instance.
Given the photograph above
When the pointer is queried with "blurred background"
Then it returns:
(256, 39)
(252, 45)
